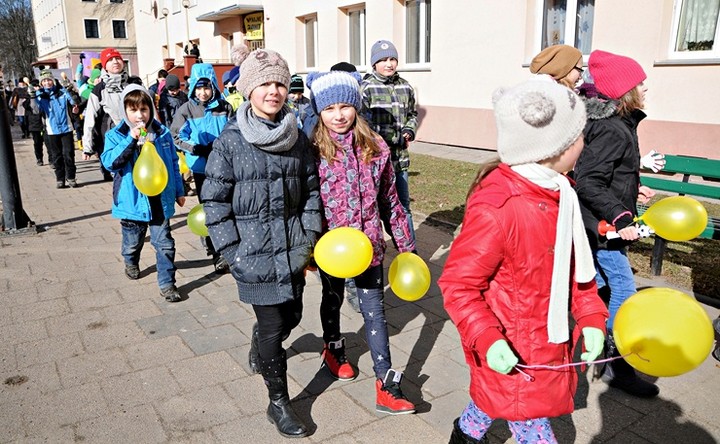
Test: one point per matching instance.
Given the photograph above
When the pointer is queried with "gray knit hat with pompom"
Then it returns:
(536, 120)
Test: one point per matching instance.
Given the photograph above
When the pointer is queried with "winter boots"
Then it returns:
(459, 437)
(279, 411)
(334, 359)
(390, 398)
(620, 375)
(253, 354)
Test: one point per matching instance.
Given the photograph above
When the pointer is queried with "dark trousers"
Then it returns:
(205, 240)
(275, 322)
(38, 142)
(62, 152)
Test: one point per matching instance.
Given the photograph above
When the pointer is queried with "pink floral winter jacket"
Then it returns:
(355, 194)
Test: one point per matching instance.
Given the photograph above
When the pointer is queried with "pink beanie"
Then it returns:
(614, 75)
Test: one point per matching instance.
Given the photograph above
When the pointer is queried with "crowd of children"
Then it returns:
(275, 170)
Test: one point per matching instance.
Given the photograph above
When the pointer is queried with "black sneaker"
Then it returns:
(60, 184)
(221, 265)
(132, 271)
(39, 163)
(170, 294)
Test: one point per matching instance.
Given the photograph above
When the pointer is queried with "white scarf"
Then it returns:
(570, 232)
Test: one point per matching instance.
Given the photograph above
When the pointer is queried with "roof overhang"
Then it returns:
(45, 62)
(228, 11)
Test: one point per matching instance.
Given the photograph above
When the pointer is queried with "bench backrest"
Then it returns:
(694, 166)
(708, 169)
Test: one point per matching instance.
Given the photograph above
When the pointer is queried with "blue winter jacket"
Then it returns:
(121, 153)
(54, 104)
(196, 125)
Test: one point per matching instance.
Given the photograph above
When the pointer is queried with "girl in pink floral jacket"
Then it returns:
(357, 187)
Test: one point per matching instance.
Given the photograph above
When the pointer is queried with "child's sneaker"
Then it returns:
(390, 398)
(336, 362)
(132, 271)
(170, 294)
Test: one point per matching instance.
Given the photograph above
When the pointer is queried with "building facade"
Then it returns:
(65, 29)
(456, 53)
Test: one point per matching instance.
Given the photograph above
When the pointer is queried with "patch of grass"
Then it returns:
(438, 188)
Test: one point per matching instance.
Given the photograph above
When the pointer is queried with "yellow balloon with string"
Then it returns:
(150, 174)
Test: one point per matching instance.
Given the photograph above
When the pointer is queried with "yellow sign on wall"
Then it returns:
(254, 26)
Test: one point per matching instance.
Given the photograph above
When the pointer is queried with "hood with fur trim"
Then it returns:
(598, 108)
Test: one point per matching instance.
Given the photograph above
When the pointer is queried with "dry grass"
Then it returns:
(438, 189)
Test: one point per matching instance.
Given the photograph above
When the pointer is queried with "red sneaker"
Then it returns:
(390, 398)
(334, 359)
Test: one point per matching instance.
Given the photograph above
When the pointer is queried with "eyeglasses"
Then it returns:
(580, 70)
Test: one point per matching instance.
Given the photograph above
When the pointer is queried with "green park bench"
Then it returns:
(688, 166)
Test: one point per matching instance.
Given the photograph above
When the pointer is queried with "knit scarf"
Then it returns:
(570, 232)
(274, 140)
(114, 82)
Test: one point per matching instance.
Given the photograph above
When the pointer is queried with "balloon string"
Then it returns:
(529, 378)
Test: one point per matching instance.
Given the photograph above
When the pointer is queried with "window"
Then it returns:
(569, 23)
(117, 1)
(119, 29)
(417, 31)
(696, 29)
(356, 25)
(311, 43)
(91, 29)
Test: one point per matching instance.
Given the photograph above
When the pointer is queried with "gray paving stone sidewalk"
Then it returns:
(89, 356)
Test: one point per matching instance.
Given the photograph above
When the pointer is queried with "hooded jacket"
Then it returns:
(120, 154)
(55, 104)
(197, 124)
(496, 285)
(607, 172)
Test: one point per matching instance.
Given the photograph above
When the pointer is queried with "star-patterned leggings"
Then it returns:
(475, 423)
(370, 296)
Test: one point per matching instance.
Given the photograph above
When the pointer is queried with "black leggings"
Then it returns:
(275, 322)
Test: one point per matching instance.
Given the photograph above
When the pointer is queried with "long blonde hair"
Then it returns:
(485, 168)
(629, 102)
(364, 137)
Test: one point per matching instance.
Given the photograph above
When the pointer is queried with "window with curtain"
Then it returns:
(356, 37)
(119, 29)
(568, 23)
(92, 30)
(697, 26)
(311, 46)
(417, 31)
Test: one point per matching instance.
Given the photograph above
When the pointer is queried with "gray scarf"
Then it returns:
(114, 82)
(274, 140)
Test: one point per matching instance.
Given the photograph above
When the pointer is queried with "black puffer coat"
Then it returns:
(262, 210)
(607, 174)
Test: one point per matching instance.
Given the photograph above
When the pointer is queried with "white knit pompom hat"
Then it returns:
(536, 120)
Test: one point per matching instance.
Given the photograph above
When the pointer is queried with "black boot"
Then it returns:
(459, 437)
(279, 411)
(253, 356)
(620, 375)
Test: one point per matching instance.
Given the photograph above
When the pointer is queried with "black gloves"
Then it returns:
(202, 150)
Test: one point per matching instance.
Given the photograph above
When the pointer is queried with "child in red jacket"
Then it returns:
(521, 261)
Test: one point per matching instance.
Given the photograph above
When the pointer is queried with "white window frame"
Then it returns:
(311, 20)
(422, 50)
(112, 24)
(361, 64)
(570, 25)
(690, 55)
(98, 28)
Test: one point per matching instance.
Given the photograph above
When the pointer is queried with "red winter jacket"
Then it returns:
(496, 285)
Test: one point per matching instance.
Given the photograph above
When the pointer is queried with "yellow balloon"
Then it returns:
(677, 218)
(149, 173)
(196, 220)
(667, 332)
(409, 276)
(182, 163)
(344, 252)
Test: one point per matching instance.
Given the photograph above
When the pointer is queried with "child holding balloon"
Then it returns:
(138, 211)
(357, 186)
(520, 262)
(608, 186)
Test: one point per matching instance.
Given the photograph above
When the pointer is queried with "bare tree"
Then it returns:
(17, 38)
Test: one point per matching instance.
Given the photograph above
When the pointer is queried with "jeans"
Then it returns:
(614, 270)
(62, 152)
(370, 296)
(403, 190)
(133, 239)
(275, 322)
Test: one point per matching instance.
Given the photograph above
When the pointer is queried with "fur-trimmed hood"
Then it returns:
(598, 108)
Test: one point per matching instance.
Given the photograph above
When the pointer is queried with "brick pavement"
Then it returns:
(87, 355)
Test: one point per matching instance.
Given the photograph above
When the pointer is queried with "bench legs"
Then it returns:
(657, 256)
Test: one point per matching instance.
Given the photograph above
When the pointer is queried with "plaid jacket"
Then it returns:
(388, 104)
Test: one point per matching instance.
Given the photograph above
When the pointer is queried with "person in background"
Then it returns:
(136, 211)
(390, 109)
(238, 54)
(156, 88)
(296, 99)
(357, 187)
(17, 102)
(262, 209)
(608, 185)
(563, 63)
(519, 264)
(171, 99)
(35, 124)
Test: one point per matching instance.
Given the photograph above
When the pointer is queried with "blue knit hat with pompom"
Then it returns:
(329, 88)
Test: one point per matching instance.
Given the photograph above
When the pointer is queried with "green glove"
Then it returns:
(594, 340)
(500, 358)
